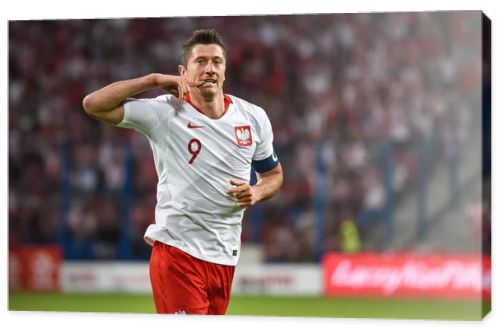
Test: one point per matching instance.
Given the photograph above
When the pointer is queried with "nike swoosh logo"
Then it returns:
(275, 157)
(193, 126)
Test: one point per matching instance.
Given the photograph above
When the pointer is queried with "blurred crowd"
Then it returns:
(339, 89)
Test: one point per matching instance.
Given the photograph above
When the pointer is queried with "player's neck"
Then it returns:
(212, 108)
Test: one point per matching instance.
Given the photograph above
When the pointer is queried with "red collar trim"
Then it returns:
(227, 102)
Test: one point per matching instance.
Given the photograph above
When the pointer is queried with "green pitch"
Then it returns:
(260, 306)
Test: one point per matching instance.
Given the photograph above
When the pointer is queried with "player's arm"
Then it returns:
(267, 186)
(268, 183)
(106, 104)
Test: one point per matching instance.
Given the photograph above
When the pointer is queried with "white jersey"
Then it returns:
(195, 157)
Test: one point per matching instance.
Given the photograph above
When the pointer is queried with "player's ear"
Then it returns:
(182, 70)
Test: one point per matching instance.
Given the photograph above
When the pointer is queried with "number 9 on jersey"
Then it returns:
(194, 147)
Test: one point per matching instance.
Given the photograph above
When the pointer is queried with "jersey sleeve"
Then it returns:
(264, 158)
(144, 115)
(265, 145)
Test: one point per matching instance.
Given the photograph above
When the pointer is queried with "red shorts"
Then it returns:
(186, 285)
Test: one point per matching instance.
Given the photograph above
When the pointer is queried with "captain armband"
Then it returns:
(267, 164)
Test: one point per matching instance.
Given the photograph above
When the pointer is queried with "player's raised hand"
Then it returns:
(243, 193)
(178, 86)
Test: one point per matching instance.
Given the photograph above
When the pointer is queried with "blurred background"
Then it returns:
(377, 121)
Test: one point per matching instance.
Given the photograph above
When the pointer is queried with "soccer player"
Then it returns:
(203, 143)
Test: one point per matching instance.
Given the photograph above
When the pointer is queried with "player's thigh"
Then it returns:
(222, 277)
(177, 282)
(218, 305)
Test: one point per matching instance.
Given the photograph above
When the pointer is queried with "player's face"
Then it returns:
(206, 63)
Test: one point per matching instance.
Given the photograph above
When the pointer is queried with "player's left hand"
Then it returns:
(243, 193)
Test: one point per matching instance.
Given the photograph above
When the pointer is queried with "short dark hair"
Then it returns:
(204, 36)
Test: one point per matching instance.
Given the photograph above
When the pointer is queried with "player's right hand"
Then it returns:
(178, 86)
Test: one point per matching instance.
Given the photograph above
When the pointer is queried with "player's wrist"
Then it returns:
(257, 193)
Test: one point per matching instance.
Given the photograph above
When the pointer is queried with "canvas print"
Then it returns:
(330, 165)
